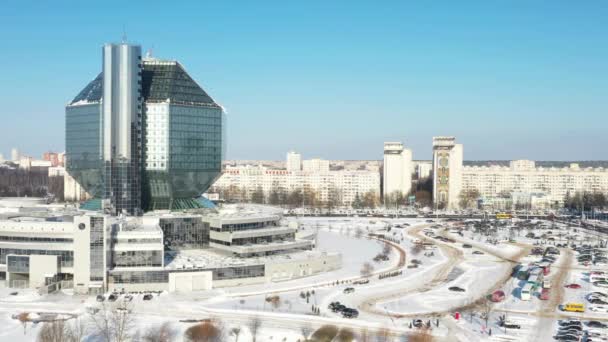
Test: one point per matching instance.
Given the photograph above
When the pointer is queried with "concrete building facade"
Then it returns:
(398, 168)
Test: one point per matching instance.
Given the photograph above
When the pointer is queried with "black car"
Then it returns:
(566, 337)
(568, 330)
(417, 323)
(570, 322)
(466, 245)
(112, 298)
(597, 324)
(597, 301)
(147, 296)
(456, 289)
(100, 298)
(350, 313)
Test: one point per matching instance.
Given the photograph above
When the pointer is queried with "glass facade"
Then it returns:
(184, 233)
(245, 226)
(66, 258)
(18, 264)
(96, 244)
(137, 258)
(84, 147)
(181, 145)
(34, 239)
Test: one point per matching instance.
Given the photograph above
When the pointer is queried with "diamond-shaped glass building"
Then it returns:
(143, 135)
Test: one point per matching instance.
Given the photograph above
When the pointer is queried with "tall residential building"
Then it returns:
(294, 161)
(143, 135)
(397, 169)
(447, 172)
(15, 156)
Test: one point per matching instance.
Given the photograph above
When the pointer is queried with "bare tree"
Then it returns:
(52, 332)
(275, 301)
(76, 330)
(113, 323)
(386, 248)
(383, 335)
(236, 331)
(358, 232)
(486, 310)
(24, 317)
(203, 332)
(345, 335)
(364, 336)
(421, 335)
(255, 323)
(163, 333)
(367, 269)
(306, 330)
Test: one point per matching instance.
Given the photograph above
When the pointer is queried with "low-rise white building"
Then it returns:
(50, 247)
(543, 186)
(347, 185)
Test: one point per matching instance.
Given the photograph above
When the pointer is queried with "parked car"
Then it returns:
(573, 286)
(128, 298)
(147, 296)
(100, 298)
(112, 297)
(599, 308)
(478, 252)
(596, 324)
(544, 294)
(349, 290)
(350, 313)
(456, 289)
(466, 245)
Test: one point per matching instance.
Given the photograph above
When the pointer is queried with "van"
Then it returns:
(574, 307)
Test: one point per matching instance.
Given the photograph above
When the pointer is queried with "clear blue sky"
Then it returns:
(510, 79)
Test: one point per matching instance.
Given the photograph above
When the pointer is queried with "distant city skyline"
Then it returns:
(507, 84)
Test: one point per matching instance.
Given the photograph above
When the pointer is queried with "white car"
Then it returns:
(599, 308)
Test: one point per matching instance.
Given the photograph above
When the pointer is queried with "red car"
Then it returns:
(573, 286)
(544, 295)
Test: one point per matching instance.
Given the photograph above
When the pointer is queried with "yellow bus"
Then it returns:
(503, 216)
(574, 307)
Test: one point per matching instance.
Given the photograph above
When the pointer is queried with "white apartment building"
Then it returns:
(294, 161)
(315, 165)
(523, 177)
(447, 172)
(398, 169)
(346, 184)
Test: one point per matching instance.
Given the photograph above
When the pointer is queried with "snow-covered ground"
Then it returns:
(384, 302)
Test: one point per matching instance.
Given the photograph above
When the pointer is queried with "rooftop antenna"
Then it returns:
(124, 34)
(150, 51)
